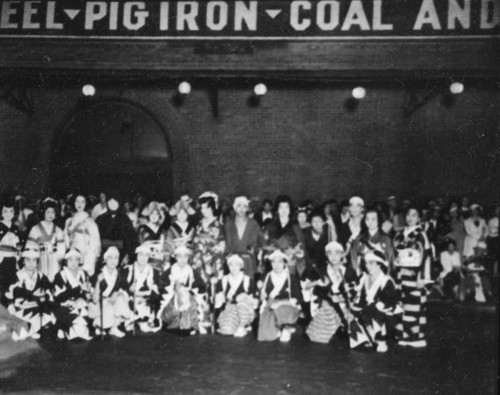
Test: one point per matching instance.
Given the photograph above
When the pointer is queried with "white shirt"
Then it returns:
(449, 262)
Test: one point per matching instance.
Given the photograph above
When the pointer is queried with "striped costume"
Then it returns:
(413, 260)
(376, 301)
(281, 299)
(329, 302)
(234, 297)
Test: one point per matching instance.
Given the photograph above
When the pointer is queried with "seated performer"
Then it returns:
(280, 298)
(330, 300)
(30, 297)
(375, 303)
(183, 291)
(71, 296)
(143, 282)
(234, 294)
(110, 301)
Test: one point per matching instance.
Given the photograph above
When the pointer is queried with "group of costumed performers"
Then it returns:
(229, 279)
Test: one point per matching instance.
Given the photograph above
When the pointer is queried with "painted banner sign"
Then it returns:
(250, 20)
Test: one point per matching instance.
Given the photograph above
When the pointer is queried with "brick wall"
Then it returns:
(300, 140)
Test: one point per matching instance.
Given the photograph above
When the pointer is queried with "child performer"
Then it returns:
(280, 297)
(143, 282)
(71, 296)
(412, 258)
(183, 289)
(375, 303)
(30, 297)
(234, 295)
(330, 299)
(110, 301)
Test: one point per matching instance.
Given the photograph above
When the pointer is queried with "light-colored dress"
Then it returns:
(50, 240)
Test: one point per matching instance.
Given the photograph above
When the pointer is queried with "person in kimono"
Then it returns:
(370, 237)
(181, 231)
(82, 233)
(475, 230)
(153, 234)
(350, 230)
(376, 304)
(143, 286)
(234, 297)
(331, 293)
(316, 238)
(117, 230)
(72, 293)
(265, 215)
(109, 308)
(30, 296)
(182, 295)
(412, 263)
(10, 243)
(280, 301)
(284, 234)
(243, 236)
(49, 238)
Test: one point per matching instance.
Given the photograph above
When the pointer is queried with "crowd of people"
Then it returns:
(82, 267)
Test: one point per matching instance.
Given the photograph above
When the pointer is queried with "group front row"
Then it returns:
(139, 297)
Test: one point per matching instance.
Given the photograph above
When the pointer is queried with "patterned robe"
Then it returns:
(373, 308)
(209, 248)
(72, 297)
(183, 298)
(31, 300)
(146, 297)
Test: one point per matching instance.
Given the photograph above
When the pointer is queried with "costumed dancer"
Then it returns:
(234, 295)
(50, 239)
(30, 297)
(182, 294)
(375, 305)
(181, 231)
(10, 245)
(72, 293)
(331, 295)
(81, 232)
(280, 301)
(413, 277)
(109, 308)
(209, 246)
(153, 233)
(143, 283)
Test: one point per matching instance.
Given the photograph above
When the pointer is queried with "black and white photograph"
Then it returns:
(249, 196)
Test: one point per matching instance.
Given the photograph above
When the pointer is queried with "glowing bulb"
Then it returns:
(359, 92)
(88, 90)
(456, 88)
(260, 90)
(184, 88)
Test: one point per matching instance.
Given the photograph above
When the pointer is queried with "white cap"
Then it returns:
(31, 253)
(235, 259)
(111, 251)
(356, 201)
(241, 201)
(143, 249)
(278, 254)
(73, 252)
(183, 249)
(334, 246)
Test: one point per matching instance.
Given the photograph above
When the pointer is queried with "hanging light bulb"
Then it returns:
(88, 90)
(260, 89)
(184, 88)
(456, 88)
(359, 93)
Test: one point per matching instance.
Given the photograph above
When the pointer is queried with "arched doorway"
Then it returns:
(112, 145)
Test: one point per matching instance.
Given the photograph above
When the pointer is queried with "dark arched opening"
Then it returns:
(112, 145)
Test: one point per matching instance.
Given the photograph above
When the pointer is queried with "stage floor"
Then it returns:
(461, 359)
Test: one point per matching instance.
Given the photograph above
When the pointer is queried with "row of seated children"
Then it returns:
(120, 300)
